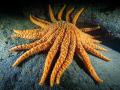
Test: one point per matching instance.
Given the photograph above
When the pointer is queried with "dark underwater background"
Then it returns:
(15, 15)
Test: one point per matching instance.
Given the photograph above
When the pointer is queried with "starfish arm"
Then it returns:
(69, 57)
(77, 15)
(61, 12)
(25, 46)
(95, 52)
(85, 34)
(29, 34)
(98, 47)
(51, 54)
(95, 46)
(61, 59)
(28, 53)
(51, 14)
(92, 40)
(86, 60)
(39, 22)
(68, 14)
(88, 37)
(38, 48)
(89, 67)
(47, 37)
(86, 30)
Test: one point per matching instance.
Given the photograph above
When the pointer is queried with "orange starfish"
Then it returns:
(60, 35)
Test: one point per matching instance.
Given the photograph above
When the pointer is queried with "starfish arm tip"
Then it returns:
(105, 50)
(30, 15)
(41, 83)
(51, 84)
(57, 82)
(82, 8)
(108, 60)
(99, 81)
(12, 49)
(14, 65)
(15, 31)
(98, 27)
(64, 5)
(13, 36)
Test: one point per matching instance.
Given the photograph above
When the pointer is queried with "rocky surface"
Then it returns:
(27, 74)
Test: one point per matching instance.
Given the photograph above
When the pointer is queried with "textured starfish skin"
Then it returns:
(63, 36)
(51, 54)
(63, 54)
(69, 57)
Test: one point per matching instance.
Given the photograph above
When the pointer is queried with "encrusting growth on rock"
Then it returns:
(63, 36)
